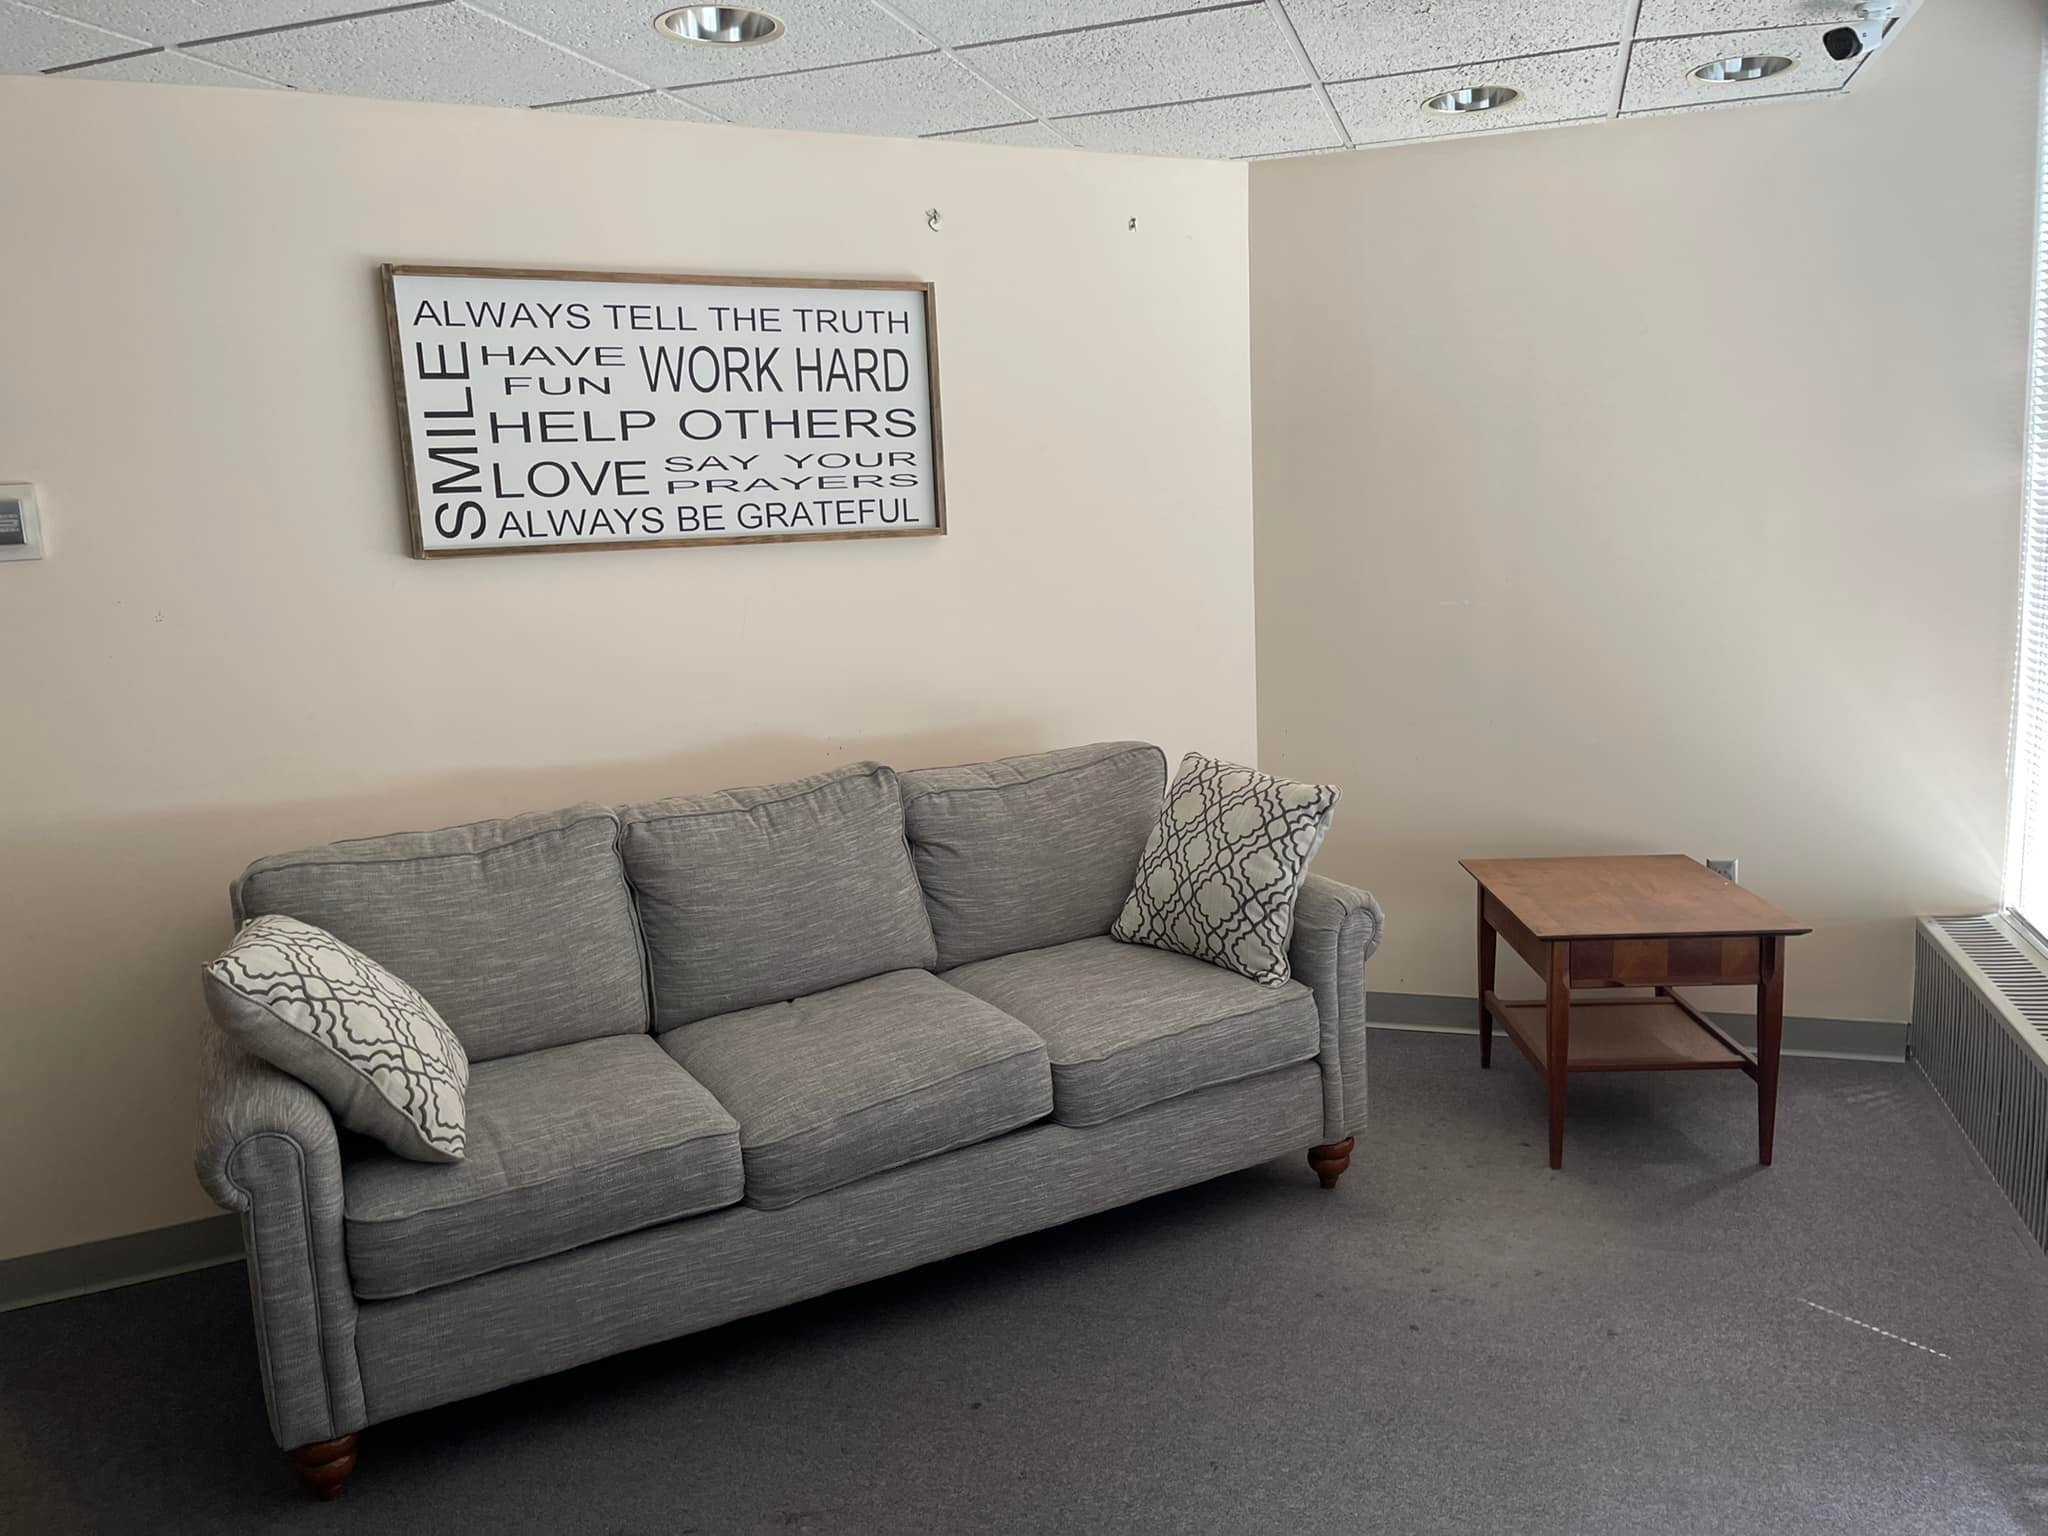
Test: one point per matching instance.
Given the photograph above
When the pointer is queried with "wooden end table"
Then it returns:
(1644, 920)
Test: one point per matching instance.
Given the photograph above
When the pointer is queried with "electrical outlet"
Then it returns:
(1725, 868)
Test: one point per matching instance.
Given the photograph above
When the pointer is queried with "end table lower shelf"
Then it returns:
(1624, 1034)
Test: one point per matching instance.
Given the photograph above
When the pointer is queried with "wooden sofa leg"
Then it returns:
(325, 1464)
(1331, 1159)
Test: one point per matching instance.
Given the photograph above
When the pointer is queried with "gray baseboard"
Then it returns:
(35, 1278)
(1854, 1039)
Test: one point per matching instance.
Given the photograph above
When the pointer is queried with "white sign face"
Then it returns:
(583, 410)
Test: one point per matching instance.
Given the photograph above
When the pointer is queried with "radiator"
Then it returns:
(1980, 1035)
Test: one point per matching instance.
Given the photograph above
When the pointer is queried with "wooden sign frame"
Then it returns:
(391, 272)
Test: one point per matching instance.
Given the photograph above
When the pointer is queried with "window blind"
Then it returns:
(2026, 861)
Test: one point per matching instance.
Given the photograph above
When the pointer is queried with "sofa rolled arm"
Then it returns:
(268, 1151)
(1336, 929)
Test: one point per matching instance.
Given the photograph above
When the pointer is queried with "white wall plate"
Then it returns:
(21, 525)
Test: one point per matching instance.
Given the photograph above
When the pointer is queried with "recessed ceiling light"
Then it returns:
(719, 26)
(1749, 66)
(1472, 98)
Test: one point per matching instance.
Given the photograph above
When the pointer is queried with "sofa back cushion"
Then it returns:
(1031, 851)
(519, 932)
(753, 896)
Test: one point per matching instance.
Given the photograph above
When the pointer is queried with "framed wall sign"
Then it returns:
(546, 410)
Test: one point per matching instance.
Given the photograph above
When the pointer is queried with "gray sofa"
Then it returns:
(739, 1049)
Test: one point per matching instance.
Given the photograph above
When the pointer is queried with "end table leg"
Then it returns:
(1487, 951)
(1557, 1050)
(1770, 1029)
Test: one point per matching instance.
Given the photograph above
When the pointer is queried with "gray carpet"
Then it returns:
(1457, 1340)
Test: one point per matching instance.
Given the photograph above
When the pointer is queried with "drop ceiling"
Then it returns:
(1245, 80)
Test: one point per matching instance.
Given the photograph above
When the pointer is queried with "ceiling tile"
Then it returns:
(1555, 87)
(185, 21)
(1659, 73)
(31, 40)
(651, 106)
(1353, 39)
(1231, 128)
(444, 53)
(166, 68)
(925, 94)
(1030, 135)
(1679, 18)
(818, 33)
(985, 21)
(1145, 63)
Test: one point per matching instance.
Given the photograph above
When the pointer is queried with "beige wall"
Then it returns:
(228, 652)
(1655, 486)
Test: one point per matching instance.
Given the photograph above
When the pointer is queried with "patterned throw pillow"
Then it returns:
(1220, 875)
(355, 1034)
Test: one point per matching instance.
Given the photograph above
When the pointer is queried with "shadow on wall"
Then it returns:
(104, 924)
(227, 838)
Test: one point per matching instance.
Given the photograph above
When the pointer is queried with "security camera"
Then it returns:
(1851, 42)
(1860, 37)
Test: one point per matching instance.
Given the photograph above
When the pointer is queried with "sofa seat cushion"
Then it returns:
(1126, 1026)
(839, 1085)
(567, 1146)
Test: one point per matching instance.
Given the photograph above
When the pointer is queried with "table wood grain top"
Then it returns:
(1626, 896)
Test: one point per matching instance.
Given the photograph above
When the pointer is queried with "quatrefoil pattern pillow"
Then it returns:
(335, 1019)
(1219, 877)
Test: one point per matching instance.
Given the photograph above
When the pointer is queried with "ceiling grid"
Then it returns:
(1631, 18)
(1230, 79)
